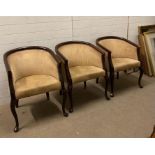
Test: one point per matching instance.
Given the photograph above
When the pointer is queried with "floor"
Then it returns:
(131, 113)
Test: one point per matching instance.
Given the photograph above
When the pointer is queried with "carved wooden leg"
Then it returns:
(85, 84)
(47, 95)
(13, 110)
(64, 103)
(16, 102)
(106, 88)
(140, 77)
(117, 75)
(97, 80)
(112, 83)
(70, 98)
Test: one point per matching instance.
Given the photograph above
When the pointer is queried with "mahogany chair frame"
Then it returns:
(14, 101)
(111, 64)
(67, 72)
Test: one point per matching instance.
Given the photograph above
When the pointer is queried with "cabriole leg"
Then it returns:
(64, 103)
(106, 88)
(13, 110)
(70, 98)
(112, 83)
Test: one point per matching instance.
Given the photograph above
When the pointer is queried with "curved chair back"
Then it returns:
(32, 60)
(79, 53)
(119, 47)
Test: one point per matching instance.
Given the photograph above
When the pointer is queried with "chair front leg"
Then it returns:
(140, 77)
(13, 110)
(64, 103)
(112, 82)
(106, 87)
(70, 98)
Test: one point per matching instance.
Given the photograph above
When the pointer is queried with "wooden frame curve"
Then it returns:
(14, 100)
(68, 75)
(110, 58)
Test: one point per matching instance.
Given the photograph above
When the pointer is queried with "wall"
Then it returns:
(89, 28)
(48, 31)
(134, 22)
(25, 31)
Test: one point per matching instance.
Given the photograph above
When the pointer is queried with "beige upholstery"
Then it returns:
(34, 72)
(84, 73)
(32, 62)
(121, 64)
(81, 55)
(119, 48)
(84, 61)
(35, 84)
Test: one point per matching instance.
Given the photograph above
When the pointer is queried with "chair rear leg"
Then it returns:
(140, 77)
(117, 75)
(64, 103)
(85, 84)
(13, 110)
(70, 98)
(97, 80)
(47, 95)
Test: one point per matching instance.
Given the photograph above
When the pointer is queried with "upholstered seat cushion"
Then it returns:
(121, 64)
(35, 84)
(83, 73)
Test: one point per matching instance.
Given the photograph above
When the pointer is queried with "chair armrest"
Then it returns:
(65, 61)
(9, 74)
(108, 52)
(102, 54)
(11, 85)
(61, 55)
